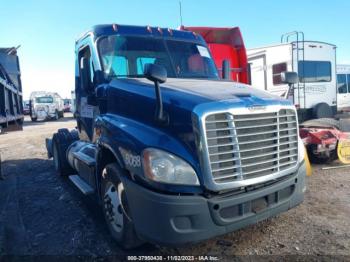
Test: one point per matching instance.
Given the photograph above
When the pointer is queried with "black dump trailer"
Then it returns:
(11, 101)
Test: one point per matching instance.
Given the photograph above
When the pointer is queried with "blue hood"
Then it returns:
(135, 99)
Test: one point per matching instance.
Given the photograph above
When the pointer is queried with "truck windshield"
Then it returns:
(44, 99)
(126, 56)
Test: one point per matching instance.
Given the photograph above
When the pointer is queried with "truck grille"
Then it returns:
(251, 145)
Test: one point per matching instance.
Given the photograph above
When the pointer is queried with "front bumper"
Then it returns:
(43, 115)
(176, 220)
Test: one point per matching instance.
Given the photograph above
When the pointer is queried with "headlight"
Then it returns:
(301, 150)
(164, 167)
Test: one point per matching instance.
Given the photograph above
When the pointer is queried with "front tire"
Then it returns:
(115, 208)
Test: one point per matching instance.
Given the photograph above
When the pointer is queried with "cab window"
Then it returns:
(341, 84)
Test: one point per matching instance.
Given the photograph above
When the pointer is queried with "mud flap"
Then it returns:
(48, 142)
(307, 164)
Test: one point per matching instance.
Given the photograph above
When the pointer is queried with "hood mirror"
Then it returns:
(157, 74)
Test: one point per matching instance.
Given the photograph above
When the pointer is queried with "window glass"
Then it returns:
(115, 65)
(44, 100)
(180, 58)
(141, 61)
(341, 84)
(348, 77)
(277, 69)
(314, 71)
(191, 60)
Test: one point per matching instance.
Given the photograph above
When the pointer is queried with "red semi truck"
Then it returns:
(226, 44)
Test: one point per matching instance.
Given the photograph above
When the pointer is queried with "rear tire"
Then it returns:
(34, 119)
(56, 117)
(322, 110)
(60, 143)
(117, 215)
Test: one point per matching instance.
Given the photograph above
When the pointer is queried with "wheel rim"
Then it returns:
(55, 157)
(113, 206)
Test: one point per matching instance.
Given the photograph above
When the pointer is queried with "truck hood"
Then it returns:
(135, 99)
(187, 93)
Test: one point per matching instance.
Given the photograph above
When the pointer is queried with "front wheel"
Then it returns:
(115, 209)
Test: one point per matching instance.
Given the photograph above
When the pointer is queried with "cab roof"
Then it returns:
(116, 29)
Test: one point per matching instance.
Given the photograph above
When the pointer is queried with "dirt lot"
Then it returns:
(42, 214)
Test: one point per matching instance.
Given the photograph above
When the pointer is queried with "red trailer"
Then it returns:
(226, 44)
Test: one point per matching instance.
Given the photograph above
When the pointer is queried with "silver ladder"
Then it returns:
(298, 45)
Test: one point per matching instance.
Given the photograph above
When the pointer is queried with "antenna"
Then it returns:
(180, 13)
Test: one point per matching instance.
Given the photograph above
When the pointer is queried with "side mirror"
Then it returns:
(85, 74)
(155, 73)
(226, 69)
(249, 72)
(289, 78)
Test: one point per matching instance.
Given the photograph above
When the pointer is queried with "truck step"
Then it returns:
(81, 185)
(89, 161)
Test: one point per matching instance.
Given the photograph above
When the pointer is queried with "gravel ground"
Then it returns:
(42, 214)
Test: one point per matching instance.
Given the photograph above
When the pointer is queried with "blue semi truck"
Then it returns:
(174, 154)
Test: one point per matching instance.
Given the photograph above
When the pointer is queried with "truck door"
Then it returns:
(343, 86)
(258, 72)
(84, 84)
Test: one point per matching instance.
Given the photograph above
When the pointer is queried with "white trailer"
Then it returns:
(343, 86)
(315, 95)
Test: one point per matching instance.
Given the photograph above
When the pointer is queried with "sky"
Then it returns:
(47, 29)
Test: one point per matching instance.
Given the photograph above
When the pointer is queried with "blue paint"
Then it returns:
(127, 108)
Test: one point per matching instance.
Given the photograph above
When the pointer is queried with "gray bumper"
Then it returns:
(177, 220)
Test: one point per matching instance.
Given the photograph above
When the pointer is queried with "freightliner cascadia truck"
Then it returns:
(174, 154)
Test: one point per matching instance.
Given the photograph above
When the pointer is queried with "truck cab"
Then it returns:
(45, 105)
(174, 154)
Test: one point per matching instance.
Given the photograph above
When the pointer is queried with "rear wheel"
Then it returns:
(115, 209)
(60, 143)
(322, 110)
(56, 117)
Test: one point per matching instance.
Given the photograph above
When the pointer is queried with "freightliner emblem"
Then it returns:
(256, 108)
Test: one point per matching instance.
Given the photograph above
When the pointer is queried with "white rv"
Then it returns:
(46, 105)
(315, 95)
(343, 85)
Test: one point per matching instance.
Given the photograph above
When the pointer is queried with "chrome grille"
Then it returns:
(251, 145)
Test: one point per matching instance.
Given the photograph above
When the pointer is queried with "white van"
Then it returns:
(343, 86)
(315, 95)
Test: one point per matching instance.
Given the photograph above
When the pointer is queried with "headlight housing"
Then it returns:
(161, 166)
